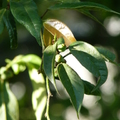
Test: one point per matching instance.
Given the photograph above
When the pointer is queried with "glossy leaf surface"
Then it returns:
(48, 62)
(73, 85)
(25, 12)
(107, 54)
(59, 29)
(91, 59)
(8, 103)
(83, 5)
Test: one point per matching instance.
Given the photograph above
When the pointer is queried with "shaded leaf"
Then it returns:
(25, 12)
(83, 5)
(3, 3)
(73, 85)
(107, 54)
(8, 104)
(2, 11)
(59, 29)
(87, 13)
(91, 59)
(48, 62)
(11, 27)
(88, 87)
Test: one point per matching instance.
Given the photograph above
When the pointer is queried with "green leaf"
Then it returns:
(69, 1)
(4, 3)
(88, 87)
(2, 11)
(48, 62)
(8, 104)
(73, 85)
(25, 12)
(91, 59)
(87, 13)
(39, 96)
(5, 74)
(11, 27)
(107, 54)
(32, 59)
(84, 6)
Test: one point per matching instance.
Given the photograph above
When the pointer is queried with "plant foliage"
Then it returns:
(55, 38)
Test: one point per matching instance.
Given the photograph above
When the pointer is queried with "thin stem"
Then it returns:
(41, 35)
(66, 54)
(44, 13)
(48, 99)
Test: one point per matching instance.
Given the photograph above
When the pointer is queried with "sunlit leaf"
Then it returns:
(107, 54)
(59, 29)
(83, 5)
(2, 11)
(11, 27)
(8, 104)
(73, 85)
(25, 13)
(48, 62)
(91, 59)
(5, 74)
(39, 96)
(32, 59)
(47, 38)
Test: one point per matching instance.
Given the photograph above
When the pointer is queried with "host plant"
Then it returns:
(54, 37)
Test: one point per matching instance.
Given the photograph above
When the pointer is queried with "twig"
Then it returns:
(48, 99)
(44, 13)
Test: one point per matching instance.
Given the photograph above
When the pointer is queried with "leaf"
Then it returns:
(8, 104)
(48, 62)
(73, 85)
(88, 87)
(2, 11)
(32, 59)
(59, 29)
(39, 96)
(11, 27)
(25, 12)
(91, 59)
(3, 3)
(107, 54)
(47, 38)
(87, 13)
(70, 1)
(82, 5)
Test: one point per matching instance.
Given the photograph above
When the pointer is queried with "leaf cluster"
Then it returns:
(54, 37)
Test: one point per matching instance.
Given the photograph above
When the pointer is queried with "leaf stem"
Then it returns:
(44, 13)
(41, 35)
(68, 53)
(48, 99)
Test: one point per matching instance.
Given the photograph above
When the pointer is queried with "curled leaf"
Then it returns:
(55, 27)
